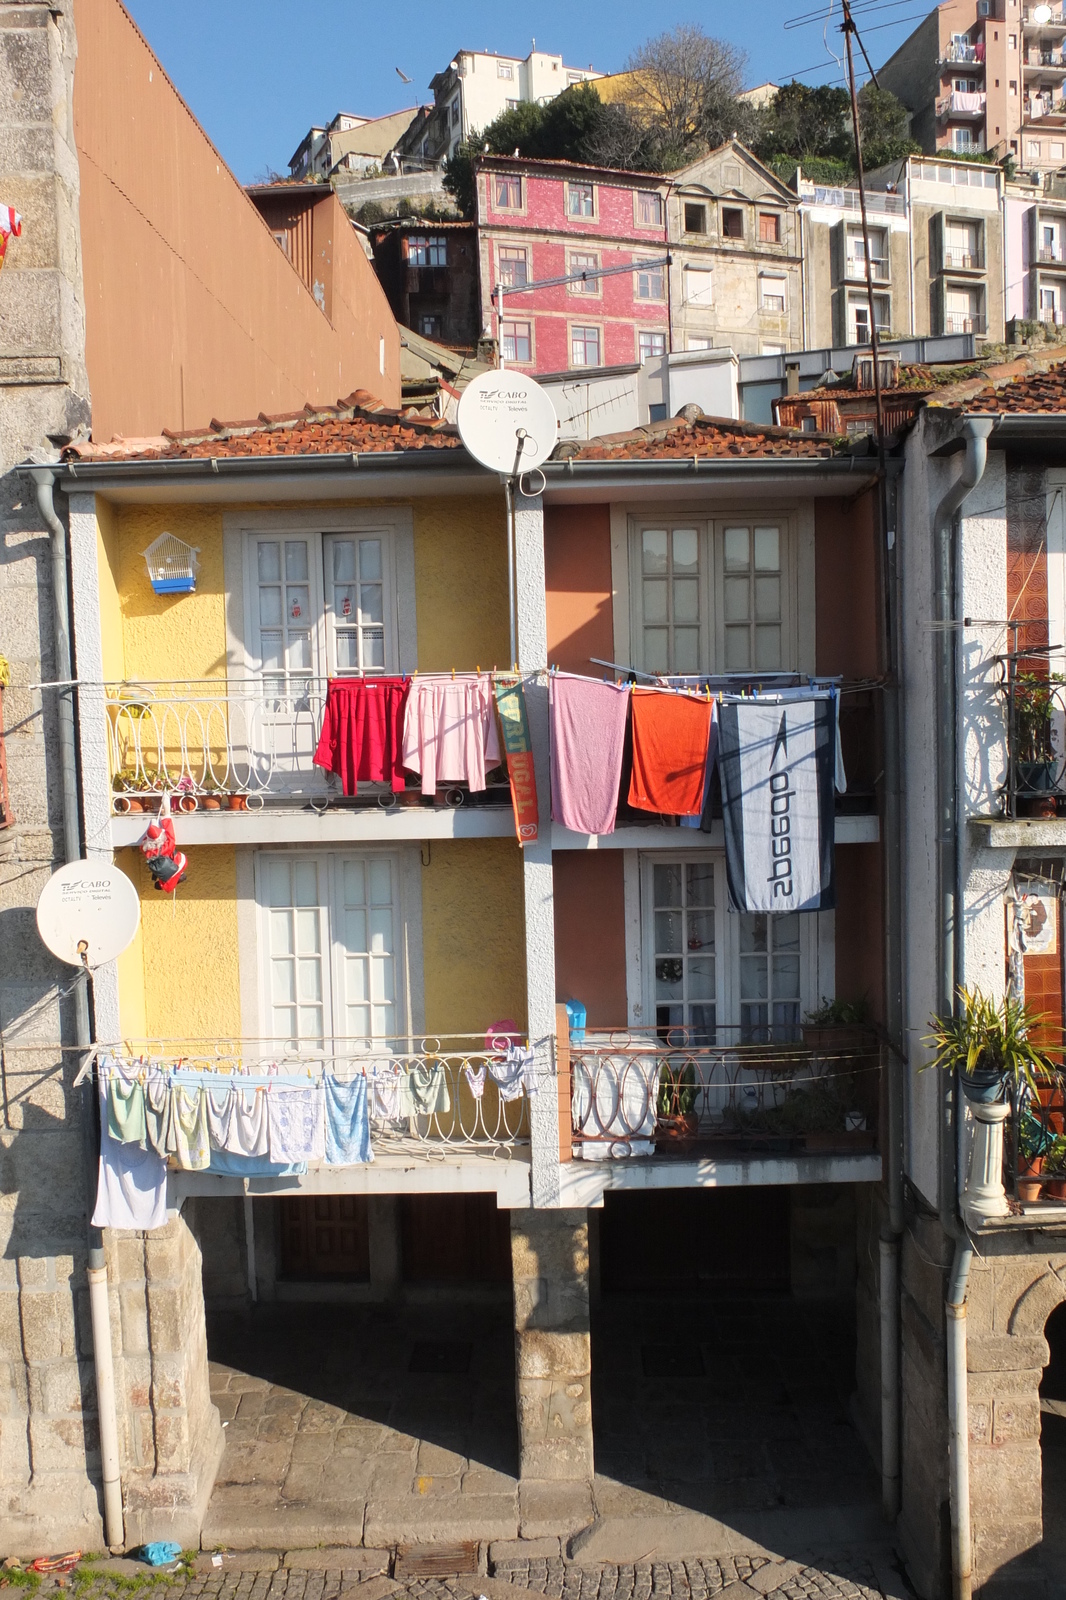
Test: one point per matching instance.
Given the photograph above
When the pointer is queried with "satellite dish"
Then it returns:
(88, 913)
(507, 422)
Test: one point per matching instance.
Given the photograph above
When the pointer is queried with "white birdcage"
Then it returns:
(172, 564)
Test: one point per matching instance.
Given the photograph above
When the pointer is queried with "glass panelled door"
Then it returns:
(297, 930)
(684, 947)
(366, 948)
(356, 601)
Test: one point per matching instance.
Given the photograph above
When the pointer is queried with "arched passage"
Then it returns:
(1053, 1440)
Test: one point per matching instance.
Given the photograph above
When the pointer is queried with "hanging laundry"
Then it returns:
(705, 821)
(158, 1112)
(450, 731)
(362, 731)
(424, 1090)
(777, 763)
(132, 1184)
(588, 730)
(475, 1080)
(125, 1108)
(513, 1075)
(226, 1164)
(237, 1120)
(671, 734)
(521, 772)
(383, 1094)
(192, 1142)
(347, 1122)
(296, 1123)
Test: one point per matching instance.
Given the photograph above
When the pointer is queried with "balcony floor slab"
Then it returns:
(584, 1183)
(433, 1171)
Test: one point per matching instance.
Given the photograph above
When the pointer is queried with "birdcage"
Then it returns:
(172, 564)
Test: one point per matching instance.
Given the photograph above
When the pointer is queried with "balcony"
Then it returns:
(1051, 254)
(1057, 19)
(219, 746)
(782, 1089)
(1052, 315)
(1039, 108)
(855, 269)
(956, 322)
(962, 260)
(969, 55)
(1033, 684)
(958, 105)
(1036, 60)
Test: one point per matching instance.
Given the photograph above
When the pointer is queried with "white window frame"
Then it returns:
(817, 945)
(588, 288)
(241, 532)
(651, 333)
(776, 285)
(586, 327)
(512, 262)
(699, 278)
(254, 936)
(573, 189)
(647, 271)
(797, 578)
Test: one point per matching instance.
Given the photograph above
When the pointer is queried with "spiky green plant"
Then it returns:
(986, 1034)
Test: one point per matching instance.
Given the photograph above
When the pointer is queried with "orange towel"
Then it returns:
(670, 737)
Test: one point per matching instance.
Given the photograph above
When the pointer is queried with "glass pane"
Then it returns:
(305, 883)
(653, 543)
(296, 559)
(354, 925)
(686, 600)
(667, 885)
(753, 979)
(307, 930)
(668, 980)
(380, 873)
(701, 930)
(736, 549)
(699, 884)
(371, 604)
(344, 602)
(344, 560)
(269, 607)
(737, 651)
(655, 599)
(767, 598)
(309, 980)
(686, 650)
(656, 650)
(357, 980)
(283, 981)
(373, 648)
(277, 883)
(702, 1023)
(354, 883)
(667, 932)
(310, 1022)
(767, 647)
(686, 551)
(382, 979)
(735, 597)
(271, 644)
(383, 1023)
(381, 930)
(786, 977)
(347, 650)
(300, 651)
(370, 559)
(281, 933)
(786, 931)
(753, 931)
(285, 1024)
(767, 550)
(701, 978)
(269, 561)
(299, 602)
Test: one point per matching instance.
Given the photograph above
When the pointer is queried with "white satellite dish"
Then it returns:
(88, 911)
(507, 422)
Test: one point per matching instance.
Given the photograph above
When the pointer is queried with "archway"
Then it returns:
(1053, 1440)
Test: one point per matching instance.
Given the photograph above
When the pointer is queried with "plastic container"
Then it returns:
(575, 1011)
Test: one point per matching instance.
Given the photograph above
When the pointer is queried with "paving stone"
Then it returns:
(547, 1508)
(336, 1557)
(428, 1519)
(235, 1561)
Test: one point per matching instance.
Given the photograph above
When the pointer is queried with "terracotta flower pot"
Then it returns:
(238, 802)
(185, 802)
(1057, 1189)
(1029, 1186)
(211, 802)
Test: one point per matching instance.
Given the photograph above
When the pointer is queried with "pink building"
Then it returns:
(541, 220)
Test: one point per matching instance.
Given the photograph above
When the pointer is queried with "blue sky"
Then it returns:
(258, 73)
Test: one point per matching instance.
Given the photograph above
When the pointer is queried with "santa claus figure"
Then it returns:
(165, 861)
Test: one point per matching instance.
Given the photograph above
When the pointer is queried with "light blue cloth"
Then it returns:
(347, 1122)
(228, 1164)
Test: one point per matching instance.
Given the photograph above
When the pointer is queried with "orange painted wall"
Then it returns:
(192, 310)
(847, 621)
(590, 940)
(860, 926)
(577, 563)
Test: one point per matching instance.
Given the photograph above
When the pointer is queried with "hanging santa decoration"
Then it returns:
(165, 861)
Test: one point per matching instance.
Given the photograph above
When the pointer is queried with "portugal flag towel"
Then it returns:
(776, 763)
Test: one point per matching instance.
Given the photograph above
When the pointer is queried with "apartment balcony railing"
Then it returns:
(961, 103)
(877, 202)
(1057, 19)
(960, 260)
(1035, 1146)
(1052, 315)
(1040, 107)
(1049, 252)
(879, 269)
(1033, 682)
(955, 322)
(1044, 58)
(471, 1104)
(770, 1089)
(237, 744)
(964, 55)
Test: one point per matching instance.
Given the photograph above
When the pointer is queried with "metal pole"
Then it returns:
(848, 28)
(499, 343)
(508, 489)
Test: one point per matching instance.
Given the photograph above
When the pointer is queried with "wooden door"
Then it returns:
(325, 1236)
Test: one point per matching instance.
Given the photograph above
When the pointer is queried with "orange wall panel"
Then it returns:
(192, 309)
(590, 939)
(577, 564)
(847, 620)
(860, 926)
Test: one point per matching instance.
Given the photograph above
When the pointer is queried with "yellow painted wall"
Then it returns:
(460, 589)
(461, 584)
(180, 979)
(473, 942)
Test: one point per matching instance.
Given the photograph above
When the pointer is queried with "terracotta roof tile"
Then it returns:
(1031, 383)
(704, 437)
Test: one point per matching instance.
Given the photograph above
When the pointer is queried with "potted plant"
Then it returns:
(675, 1104)
(991, 1047)
(836, 1025)
(1034, 753)
(1035, 1143)
(1055, 1167)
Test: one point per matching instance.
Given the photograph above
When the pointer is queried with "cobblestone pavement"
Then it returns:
(845, 1578)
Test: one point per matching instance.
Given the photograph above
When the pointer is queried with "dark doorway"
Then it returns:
(684, 1240)
(325, 1237)
(1053, 1442)
(455, 1238)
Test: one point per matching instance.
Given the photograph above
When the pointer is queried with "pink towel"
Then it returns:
(588, 726)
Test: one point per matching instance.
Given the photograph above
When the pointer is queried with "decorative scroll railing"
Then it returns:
(476, 1112)
(775, 1090)
(1033, 683)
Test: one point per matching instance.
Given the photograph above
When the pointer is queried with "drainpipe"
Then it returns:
(949, 978)
(103, 1355)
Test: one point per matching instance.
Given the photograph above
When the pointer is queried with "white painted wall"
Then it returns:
(615, 400)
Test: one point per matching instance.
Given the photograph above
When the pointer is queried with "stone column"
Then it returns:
(553, 1358)
(984, 1195)
(170, 1434)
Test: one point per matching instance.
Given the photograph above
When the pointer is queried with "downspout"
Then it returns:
(103, 1355)
(949, 978)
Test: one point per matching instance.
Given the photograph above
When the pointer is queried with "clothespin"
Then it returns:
(453, 674)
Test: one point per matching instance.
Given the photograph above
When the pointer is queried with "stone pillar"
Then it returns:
(170, 1434)
(386, 1254)
(984, 1196)
(553, 1357)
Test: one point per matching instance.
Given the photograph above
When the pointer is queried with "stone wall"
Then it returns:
(49, 1466)
(553, 1353)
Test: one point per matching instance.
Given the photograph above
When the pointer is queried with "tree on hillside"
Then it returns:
(884, 127)
(682, 80)
(801, 121)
